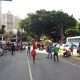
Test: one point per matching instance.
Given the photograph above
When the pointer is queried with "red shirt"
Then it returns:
(33, 52)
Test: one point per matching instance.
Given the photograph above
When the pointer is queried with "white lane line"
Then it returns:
(30, 74)
(25, 69)
(75, 65)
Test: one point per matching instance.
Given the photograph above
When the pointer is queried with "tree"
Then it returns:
(45, 22)
(8, 35)
(79, 27)
(3, 29)
(63, 21)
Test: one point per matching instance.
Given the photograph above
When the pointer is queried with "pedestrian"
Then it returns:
(42, 46)
(72, 47)
(49, 50)
(34, 46)
(12, 48)
(28, 49)
(33, 55)
(56, 50)
(38, 45)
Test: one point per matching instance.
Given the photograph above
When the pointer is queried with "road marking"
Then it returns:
(76, 65)
(29, 68)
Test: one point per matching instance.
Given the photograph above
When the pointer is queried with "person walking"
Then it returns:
(72, 47)
(12, 48)
(33, 55)
(34, 46)
(28, 49)
(49, 50)
(56, 50)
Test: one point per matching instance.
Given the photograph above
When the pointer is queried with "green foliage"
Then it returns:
(72, 32)
(3, 29)
(79, 27)
(45, 22)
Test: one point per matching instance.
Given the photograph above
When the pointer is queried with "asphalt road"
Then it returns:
(45, 69)
(20, 67)
(14, 67)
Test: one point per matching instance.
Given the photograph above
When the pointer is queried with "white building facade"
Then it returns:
(10, 21)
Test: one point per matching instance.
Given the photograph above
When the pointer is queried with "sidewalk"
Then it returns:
(73, 59)
(76, 58)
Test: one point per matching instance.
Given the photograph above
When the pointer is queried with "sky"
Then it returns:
(21, 8)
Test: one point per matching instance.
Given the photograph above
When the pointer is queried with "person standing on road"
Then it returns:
(33, 55)
(49, 50)
(72, 48)
(34, 46)
(56, 50)
(12, 48)
(28, 49)
(38, 45)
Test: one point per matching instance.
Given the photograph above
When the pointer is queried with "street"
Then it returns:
(21, 67)
(14, 67)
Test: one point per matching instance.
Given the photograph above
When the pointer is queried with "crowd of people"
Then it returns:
(49, 49)
(52, 50)
(4, 48)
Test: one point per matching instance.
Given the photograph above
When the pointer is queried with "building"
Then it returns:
(0, 14)
(10, 21)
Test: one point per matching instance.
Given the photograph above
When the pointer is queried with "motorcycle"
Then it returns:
(67, 53)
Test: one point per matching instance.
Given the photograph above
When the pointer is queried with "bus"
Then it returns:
(73, 40)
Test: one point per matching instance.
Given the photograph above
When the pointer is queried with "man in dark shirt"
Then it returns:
(12, 48)
(28, 49)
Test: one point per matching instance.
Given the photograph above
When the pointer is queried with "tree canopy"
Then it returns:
(45, 22)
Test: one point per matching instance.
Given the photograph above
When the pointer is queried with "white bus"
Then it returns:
(73, 40)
